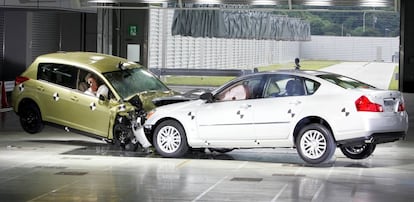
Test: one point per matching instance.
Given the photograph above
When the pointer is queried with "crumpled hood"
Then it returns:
(179, 97)
(178, 106)
(147, 97)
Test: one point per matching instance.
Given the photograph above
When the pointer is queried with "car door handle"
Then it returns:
(40, 88)
(245, 106)
(297, 102)
(74, 98)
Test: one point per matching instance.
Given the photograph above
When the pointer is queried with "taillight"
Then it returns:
(20, 79)
(364, 104)
(401, 107)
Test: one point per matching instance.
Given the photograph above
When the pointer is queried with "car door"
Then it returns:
(56, 81)
(274, 113)
(227, 120)
(231, 116)
(88, 113)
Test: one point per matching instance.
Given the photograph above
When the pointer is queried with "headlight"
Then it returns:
(150, 113)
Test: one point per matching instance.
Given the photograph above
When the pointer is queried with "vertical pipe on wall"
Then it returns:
(83, 31)
(3, 34)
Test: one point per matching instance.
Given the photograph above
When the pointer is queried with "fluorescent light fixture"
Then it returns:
(101, 1)
(264, 2)
(374, 3)
(208, 1)
(318, 3)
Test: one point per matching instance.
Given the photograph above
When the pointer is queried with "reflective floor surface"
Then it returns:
(55, 165)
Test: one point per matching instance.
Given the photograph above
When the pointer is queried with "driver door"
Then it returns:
(230, 117)
(89, 113)
(226, 120)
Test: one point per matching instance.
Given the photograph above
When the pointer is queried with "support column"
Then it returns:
(104, 31)
(406, 73)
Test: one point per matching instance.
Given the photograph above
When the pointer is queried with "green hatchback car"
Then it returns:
(100, 95)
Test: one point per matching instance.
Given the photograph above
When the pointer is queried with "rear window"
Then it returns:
(344, 82)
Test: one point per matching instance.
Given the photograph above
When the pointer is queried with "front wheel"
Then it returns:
(315, 144)
(358, 152)
(123, 136)
(170, 139)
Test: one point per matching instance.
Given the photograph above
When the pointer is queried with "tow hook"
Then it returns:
(370, 140)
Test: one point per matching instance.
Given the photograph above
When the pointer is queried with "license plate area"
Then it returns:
(390, 104)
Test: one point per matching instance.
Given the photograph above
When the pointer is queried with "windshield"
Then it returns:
(132, 81)
(344, 82)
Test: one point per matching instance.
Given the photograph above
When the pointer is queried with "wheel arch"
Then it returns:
(27, 101)
(150, 135)
(310, 120)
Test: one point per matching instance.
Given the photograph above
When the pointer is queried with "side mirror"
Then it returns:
(208, 97)
(102, 98)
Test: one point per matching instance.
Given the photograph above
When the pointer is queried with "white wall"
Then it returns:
(350, 48)
(167, 51)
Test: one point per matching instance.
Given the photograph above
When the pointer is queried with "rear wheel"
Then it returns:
(30, 118)
(170, 139)
(315, 144)
(358, 152)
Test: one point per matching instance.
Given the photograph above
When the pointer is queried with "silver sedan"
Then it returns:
(311, 110)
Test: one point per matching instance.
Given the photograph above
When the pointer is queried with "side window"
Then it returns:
(60, 74)
(82, 80)
(311, 86)
(91, 84)
(284, 85)
(242, 90)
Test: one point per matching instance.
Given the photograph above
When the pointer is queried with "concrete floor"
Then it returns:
(55, 165)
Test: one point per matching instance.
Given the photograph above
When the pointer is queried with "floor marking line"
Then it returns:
(180, 165)
(53, 191)
(242, 165)
(280, 193)
(329, 173)
(316, 196)
(209, 189)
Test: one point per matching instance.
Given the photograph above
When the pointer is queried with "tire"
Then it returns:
(122, 138)
(315, 144)
(30, 118)
(169, 139)
(359, 151)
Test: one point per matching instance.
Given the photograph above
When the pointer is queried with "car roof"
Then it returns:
(303, 73)
(94, 61)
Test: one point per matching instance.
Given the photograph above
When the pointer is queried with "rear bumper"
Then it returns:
(376, 138)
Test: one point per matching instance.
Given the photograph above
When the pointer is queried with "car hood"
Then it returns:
(179, 97)
(147, 97)
(178, 106)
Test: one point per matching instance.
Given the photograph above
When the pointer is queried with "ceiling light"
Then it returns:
(319, 3)
(264, 2)
(374, 3)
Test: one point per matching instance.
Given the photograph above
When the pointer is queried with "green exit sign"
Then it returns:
(132, 30)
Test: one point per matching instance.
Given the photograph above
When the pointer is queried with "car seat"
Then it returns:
(83, 86)
(294, 87)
